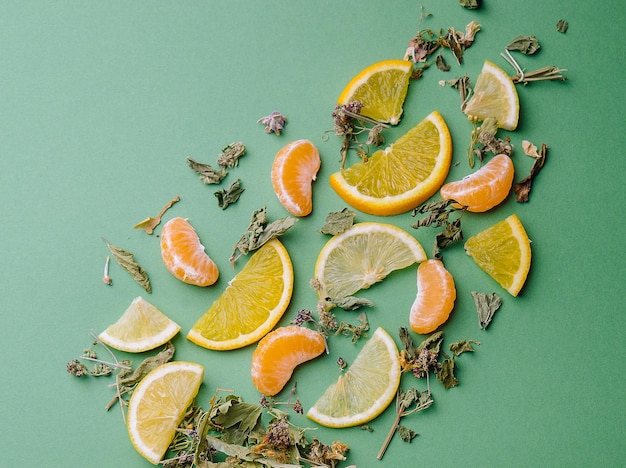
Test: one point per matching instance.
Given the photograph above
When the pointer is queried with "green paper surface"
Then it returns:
(101, 102)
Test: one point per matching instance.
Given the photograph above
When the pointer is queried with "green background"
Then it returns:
(101, 102)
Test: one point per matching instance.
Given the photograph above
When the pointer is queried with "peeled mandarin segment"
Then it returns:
(494, 96)
(365, 390)
(293, 172)
(403, 175)
(252, 303)
(503, 252)
(363, 255)
(279, 352)
(381, 88)
(487, 187)
(435, 297)
(184, 255)
(141, 327)
(158, 404)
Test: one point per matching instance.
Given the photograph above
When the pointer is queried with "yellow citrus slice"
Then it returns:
(252, 303)
(503, 251)
(363, 255)
(140, 328)
(494, 96)
(403, 175)
(365, 389)
(381, 88)
(158, 405)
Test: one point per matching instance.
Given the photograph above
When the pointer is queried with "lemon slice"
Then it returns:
(403, 175)
(158, 405)
(381, 88)
(141, 327)
(365, 389)
(252, 303)
(503, 251)
(494, 96)
(363, 255)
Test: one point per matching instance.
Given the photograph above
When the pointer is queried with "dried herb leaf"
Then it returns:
(130, 377)
(259, 232)
(562, 26)
(338, 221)
(441, 63)
(406, 434)
(350, 302)
(355, 331)
(437, 215)
(470, 4)
(230, 155)
(150, 223)
(126, 260)
(445, 375)
(432, 343)
(527, 45)
(208, 174)
(523, 187)
(463, 346)
(486, 306)
(229, 195)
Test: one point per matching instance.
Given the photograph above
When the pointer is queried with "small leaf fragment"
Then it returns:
(130, 377)
(441, 63)
(445, 375)
(527, 45)
(463, 346)
(562, 26)
(126, 260)
(208, 174)
(523, 187)
(470, 4)
(230, 155)
(406, 434)
(338, 221)
(350, 302)
(486, 306)
(229, 195)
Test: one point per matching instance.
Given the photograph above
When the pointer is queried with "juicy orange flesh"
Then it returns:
(435, 297)
(219, 325)
(184, 255)
(294, 169)
(485, 188)
(492, 244)
(278, 354)
(385, 165)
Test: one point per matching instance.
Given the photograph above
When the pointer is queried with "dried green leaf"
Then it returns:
(407, 341)
(523, 187)
(208, 174)
(432, 343)
(338, 221)
(350, 302)
(127, 261)
(356, 331)
(441, 63)
(562, 26)
(452, 41)
(451, 234)
(470, 4)
(229, 195)
(486, 306)
(527, 45)
(230, 155)
(463, 346)
(130, 377)
(446, 374)
(406, 434)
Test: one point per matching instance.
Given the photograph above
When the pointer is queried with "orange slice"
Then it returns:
(435, 297)
(485, 188)
(279, 352)
(184, 255)
(293, 172)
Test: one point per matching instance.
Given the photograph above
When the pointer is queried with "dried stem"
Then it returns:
(542, 74)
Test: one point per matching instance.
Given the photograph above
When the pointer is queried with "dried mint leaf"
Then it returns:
(350, 302)
(463, 346)
(230, 155)
(338, 221)
(562, 26)
(130, 377)
(127, 261)
(406, 434)
(470, 4)
(527, 45)
(486, 307)
(523, 187)
(445, 375)
(208, 174)
(229, 195)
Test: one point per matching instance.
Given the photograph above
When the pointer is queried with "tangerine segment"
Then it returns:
(494, 96)
(279, 352)
(184, 256)
(381, 88)
(435, 297)
(365, 389)
(252, 303)
(141, 327)
(503, 252)
(403, 175)
(363, 255)
(485, 188)
(158, 405)
(293, 172)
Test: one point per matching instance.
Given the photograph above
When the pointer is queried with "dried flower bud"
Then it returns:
(274, 123)
(76, 368)
(278, 434)
(231, 154)
(303, 317)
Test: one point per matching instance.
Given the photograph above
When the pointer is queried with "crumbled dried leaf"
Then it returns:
(445, 375)
(406, 434)
(470, 4)
(229, 195)
(230, 155)
(208, 174)
(463, 346)
(523, 187)
(350, 302)
(562, 26)
(131, 377)
(486, 307)
(126, 260)
(441, 63)
(338, 221)
(527, 45)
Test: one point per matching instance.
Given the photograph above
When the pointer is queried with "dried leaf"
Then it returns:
(406, 434)
(486, 306)
(229, 195)
(130, 377)
(562, 26)
(350, 302)
(463, 346)
(338, 221)
(523, 187)
(432, 343)
(230, 155)
(208, 174)
(470, 4)
(445, 375)
(527, 45)
(126, 260)
(441, 63)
